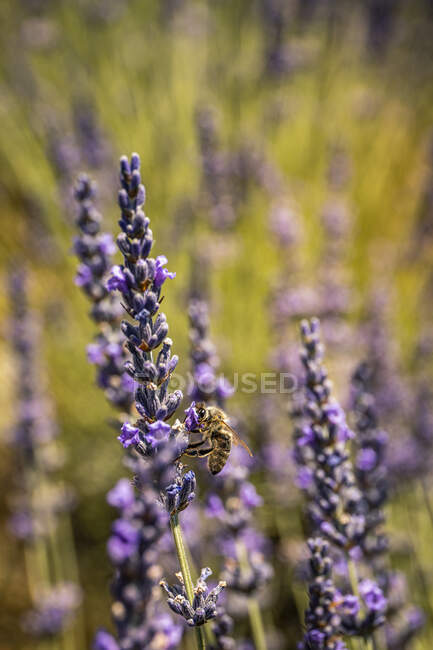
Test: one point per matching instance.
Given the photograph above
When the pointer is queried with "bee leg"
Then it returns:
(191, 446)
(198, 453)
(194, 445)
(201, 453)
(192, 449)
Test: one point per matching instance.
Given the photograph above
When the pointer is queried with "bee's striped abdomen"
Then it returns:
(222, 442)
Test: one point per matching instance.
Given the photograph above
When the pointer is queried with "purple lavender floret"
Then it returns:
(122, 495)
(363, 620)
(372, 596)
(321, 447)
(191, 419)
(129, 436)
(204, 605)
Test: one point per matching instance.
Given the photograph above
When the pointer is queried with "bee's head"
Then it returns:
(201, 411)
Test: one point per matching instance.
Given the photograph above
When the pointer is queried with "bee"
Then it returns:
(216, 439)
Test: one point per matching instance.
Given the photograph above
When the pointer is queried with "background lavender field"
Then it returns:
(287, 154)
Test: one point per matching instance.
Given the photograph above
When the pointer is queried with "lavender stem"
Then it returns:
(427, 500)
(254, 613)
(209, 635)
(70, 559)
(256, 624)
(353, 577)
(186, 573)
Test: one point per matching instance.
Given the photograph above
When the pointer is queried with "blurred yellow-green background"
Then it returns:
(353, 79)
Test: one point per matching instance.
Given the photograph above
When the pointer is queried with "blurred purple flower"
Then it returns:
(304, 478)
(306, 437)
(95, 353)
(366, 459)
(123, 541)
(122, 495)
(167, 633)
(104, 641)
(372, 596)
(214, 506)
(53, 611)
(349, 604)
(117, 280)
(249, 496)
(106, 244)
(223, 389)
(22, 525)
(84, 276)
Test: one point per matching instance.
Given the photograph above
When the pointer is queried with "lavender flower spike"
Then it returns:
(403, 621)
(139, 280)
(41, 503)
(322, 619)
(94, 249)
(370, 465)
(336, 505)
(247, 571)
(133, 544)
(320, 447)
(203, 608)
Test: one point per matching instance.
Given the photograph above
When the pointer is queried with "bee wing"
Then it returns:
(237, 439)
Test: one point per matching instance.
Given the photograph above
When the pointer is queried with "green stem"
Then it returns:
(256, 622)
(67, 547)
(186, 573)
(427, 500)
(353, 577)
(254, 613)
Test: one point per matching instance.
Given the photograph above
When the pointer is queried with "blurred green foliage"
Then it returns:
(145, 68)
